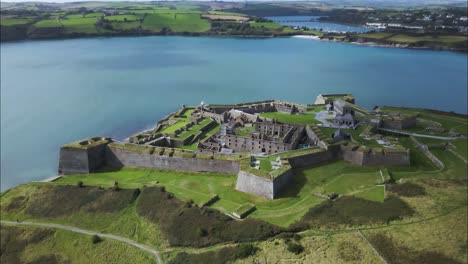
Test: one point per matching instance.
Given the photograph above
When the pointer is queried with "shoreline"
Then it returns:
(380, 45)
(304, 36)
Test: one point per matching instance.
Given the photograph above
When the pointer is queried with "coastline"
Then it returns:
(304, 36)
(381, 45)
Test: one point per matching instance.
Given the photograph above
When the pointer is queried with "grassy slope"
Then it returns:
(59, 244)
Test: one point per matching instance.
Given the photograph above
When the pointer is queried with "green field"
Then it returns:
(123, 18)
(402, 38)
(48, 23)
(177, 22)
(306, 118)
(375, 193)
(352, 183)
(269, 25)
(126, 25)
(79, 25)
(14, 21)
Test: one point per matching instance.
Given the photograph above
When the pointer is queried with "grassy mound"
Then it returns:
(407, 189)
(187, 225)
(397, 253)
(356, 211)
(50, 203)
(224, 255)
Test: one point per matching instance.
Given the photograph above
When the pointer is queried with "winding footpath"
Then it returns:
(91, 233)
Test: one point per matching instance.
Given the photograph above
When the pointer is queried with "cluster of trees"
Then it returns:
(232, 28)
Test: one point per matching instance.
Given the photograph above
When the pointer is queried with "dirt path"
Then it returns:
(87, 232)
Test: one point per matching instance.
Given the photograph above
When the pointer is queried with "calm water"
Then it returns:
(54, 92)
(298, 21)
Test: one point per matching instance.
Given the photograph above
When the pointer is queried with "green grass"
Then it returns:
(402, 38)
(94, 15)
(68, 246)
(375, 193)
(15, 21)
(181, 122)
(122, 18)
(195, 129)
(299, 119)
(177, 22)
(265, 165)
(80, 25)
(269, 25)
(289, 207)
(352, 183)
(244, 131)
(125, 25)
(376, 35)
(314, 32)
(48, 23)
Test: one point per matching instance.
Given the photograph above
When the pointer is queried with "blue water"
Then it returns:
(298, 21)
(54, 92)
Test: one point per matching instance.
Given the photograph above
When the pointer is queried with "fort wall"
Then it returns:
(118, 157)
(81, 160)
(399, 124)
(375, 158)
(261, 186)
(314, 159)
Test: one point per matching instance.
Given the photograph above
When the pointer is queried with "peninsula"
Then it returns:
(328, 181)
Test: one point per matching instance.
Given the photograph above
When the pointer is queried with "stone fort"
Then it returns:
(237, 139)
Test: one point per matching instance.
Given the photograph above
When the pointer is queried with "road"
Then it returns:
(87, 232)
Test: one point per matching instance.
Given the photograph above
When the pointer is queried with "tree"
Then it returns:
(295, 247)
(116, 186)
(96, 239)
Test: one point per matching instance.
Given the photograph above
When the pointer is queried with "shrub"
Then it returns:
(96, 239)
(201, 232)
(116, 186)
(392, 250)
(349, 252)
(295, 247)
(162, 188)
(224, 255)
(356, 211)
(245, 250)
(50, 202)
(80, 184)
(407, 189)
(189, 203)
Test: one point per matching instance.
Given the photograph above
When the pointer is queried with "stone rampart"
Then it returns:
(375, 158)
(313, 159)
(119, 157)
(261, 186)
(81, 160)
(399, 123)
